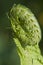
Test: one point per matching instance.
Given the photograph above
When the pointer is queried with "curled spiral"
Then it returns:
(25, 25)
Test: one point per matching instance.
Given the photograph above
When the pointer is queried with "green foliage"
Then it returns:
(27, 35)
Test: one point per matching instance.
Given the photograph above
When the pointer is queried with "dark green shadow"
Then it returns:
(9, 55)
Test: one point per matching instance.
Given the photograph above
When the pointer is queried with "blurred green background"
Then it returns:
(36, 7)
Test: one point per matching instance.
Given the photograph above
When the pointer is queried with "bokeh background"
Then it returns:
(36, 7)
